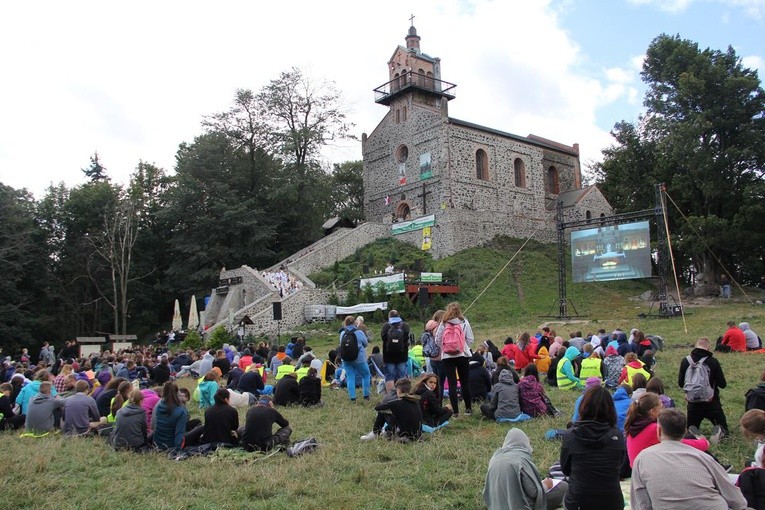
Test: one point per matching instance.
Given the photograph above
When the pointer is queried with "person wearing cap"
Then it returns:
(257, 433)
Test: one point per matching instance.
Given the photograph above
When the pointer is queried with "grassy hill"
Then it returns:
(447, 470)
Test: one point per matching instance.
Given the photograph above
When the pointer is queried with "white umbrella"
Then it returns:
(177, 319)
(193, 315)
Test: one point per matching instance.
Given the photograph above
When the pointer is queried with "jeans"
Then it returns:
(726, 291)
(360, 368)
(395, 371)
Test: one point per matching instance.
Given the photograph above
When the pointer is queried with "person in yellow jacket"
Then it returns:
(633, 366)
(543, 363)
(592, 367)
(416, 353)
(303, 370)
(564, 373)
(285, 368)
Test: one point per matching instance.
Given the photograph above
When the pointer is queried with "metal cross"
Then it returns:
(411, 19)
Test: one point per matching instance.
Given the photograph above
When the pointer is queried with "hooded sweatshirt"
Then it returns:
(565, 371)
(613, 365)
(513, 480)
(532, 395)
(752, 340)
(28, 392)
(130, 430)
(466, 352)
(505, 398)
(591, 455)
(169, 428)
(622, 402)
(40, 413)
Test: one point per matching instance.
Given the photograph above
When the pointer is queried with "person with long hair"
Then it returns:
(104, 399)
(169, 419)
(130, 430)
(534, 401)
(526, 352)
(751, 481)
(640, 427)
(433, 413)
(455, 327)
(592, 454)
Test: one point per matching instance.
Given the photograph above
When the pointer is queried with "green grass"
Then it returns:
(446, 471)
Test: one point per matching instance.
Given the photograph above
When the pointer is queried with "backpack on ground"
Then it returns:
(397, 340)
(453, 339)
(301, 447)
(755, 399)
(697, 387)
(349, 346)
(430, 348)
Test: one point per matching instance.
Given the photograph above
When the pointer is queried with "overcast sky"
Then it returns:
(134, 80)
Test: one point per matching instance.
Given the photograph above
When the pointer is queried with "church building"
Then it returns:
(449, 184)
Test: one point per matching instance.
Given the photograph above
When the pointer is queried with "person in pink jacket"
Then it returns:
(640, 427)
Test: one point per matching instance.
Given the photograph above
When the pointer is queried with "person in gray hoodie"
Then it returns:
(505, 402)
(130, 429)
(80, 411)
(42, 409)
(752, 340)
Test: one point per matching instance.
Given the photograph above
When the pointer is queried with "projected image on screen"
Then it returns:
(618, 252)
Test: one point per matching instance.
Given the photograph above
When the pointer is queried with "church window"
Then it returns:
(552, 180)
(588, 215)
(398, 116)
(403, 116)
(520, 173)
(482, 165)
(402, 153)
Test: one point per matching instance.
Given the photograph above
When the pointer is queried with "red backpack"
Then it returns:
(453, 339)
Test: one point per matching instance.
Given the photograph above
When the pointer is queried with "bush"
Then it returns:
(218, 337)
(193, 340)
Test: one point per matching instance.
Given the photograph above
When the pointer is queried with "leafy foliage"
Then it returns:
(193, 340)
(218, 337)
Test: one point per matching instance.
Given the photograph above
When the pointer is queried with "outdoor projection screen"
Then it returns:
(618, 252)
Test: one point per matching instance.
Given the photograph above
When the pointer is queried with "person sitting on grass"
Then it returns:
(639, 384)
(656, 385)
(80, 411)
(406, 416)
(479, 379)
(534, 401)
(130, 431)
(42, 410)
(513, 481)
(433, 413)
(383, 419)
(612, 365)
(208, 387)
(505, 400)
(287, 390)
(169, 419)
(221, 423)
(9, 419)
(257, 433)
(751, 481)
(632, 366)
(309, 388)
(285, 368)
(565, 376)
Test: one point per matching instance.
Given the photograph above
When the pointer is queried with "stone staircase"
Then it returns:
(249, 294)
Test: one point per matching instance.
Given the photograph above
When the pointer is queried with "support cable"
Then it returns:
(751, 301)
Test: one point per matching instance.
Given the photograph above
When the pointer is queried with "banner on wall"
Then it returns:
(426, 166)
(426, 239)
(402, 173)
(415, 224)
(394, 283)
(431, 277)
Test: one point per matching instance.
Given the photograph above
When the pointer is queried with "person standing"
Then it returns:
(395, 338)
(454, 337)
(725, 287)
(674, 475)
(353, 354)
(704, 397)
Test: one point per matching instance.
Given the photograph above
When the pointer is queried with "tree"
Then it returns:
(348, 190)
(703, 134)
(95, 172)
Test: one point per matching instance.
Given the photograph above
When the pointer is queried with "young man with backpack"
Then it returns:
(702, 377)
(395, 338)
(352, 352)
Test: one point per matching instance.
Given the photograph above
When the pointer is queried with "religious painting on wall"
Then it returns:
(426, 167)
(402, 173)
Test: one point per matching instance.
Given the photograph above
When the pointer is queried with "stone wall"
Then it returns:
(252, 288)
(594, 202)
(293, 312)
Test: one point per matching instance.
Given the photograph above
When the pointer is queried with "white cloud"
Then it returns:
(754, 62)
(753, 8)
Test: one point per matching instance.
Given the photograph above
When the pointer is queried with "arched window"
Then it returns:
(481, 165)
(396, 83)
(403, 212)
(552, 180)
(588, 215)
(520, 173)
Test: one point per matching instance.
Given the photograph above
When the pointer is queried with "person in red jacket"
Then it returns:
(733, 340)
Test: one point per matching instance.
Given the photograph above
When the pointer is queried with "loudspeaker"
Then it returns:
(277, 310)
(423, 297)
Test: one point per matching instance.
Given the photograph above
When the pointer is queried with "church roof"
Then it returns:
(571, 198)
(531, 139)
(420, 55)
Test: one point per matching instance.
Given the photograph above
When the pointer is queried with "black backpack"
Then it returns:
(349, 346)
(755, 399)
(397, 340)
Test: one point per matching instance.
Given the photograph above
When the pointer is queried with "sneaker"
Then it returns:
(695, 432)
(370, 436)
(717, 434)
(366, 398)
(468, 412)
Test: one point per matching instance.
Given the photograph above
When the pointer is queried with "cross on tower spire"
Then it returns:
(411, 19)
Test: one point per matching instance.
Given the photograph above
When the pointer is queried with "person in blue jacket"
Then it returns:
(358, 367)
(31, 389)
(169, 419)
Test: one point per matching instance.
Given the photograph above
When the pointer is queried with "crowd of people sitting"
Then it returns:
(282, 282)
(620, 420)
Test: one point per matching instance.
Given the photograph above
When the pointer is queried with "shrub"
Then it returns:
(218, 337)
(193, 340)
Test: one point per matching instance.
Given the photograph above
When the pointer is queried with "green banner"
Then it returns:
(416, 224)
(431, 277)
(394, 283)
